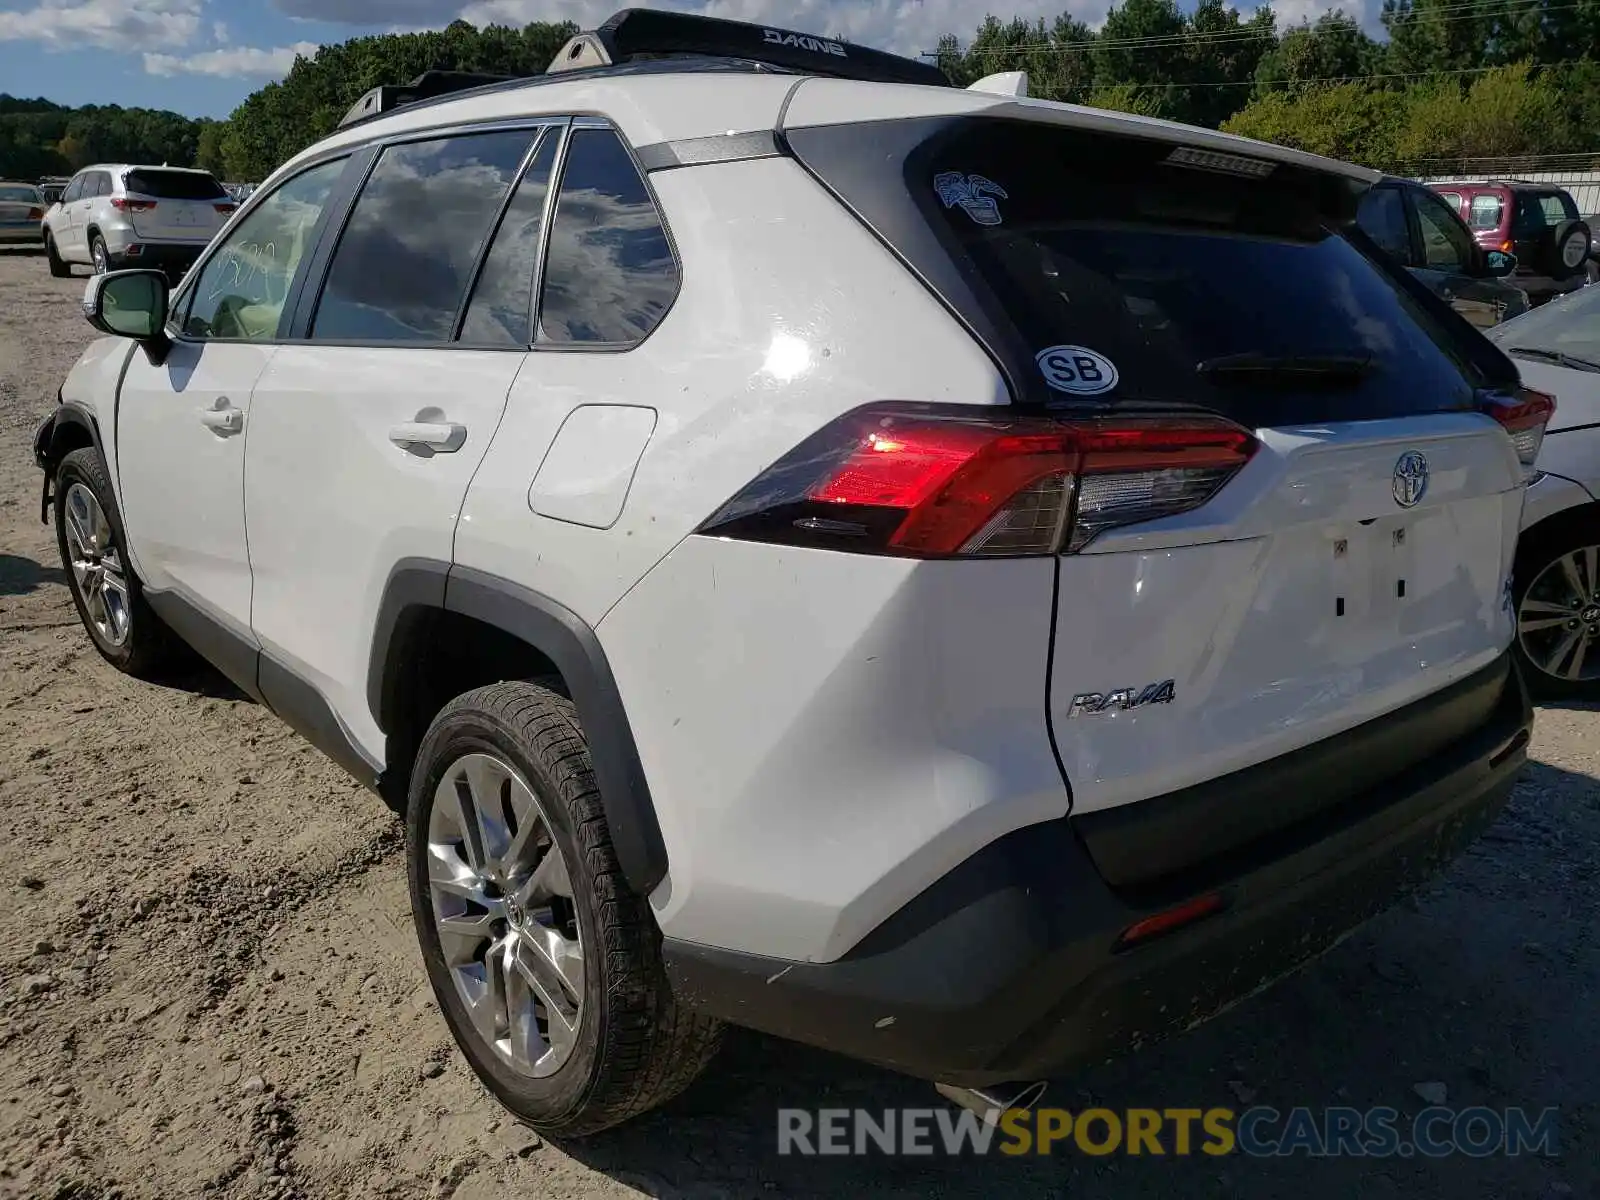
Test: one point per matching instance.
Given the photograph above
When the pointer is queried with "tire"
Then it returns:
(633, 1047)
(140, 646)
(1565, 250)
(99, 255)
(59, 267)
(1550, 608)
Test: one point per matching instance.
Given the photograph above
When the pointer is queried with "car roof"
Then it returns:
(677, 101)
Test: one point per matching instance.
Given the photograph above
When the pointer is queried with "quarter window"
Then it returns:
(401, 269)
(1485, 212)
(1446, 245)
(610, 274)
(501, 309)
(240, 293)
(1383, 218)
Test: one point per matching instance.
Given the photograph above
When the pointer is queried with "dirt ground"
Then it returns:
(209, 984)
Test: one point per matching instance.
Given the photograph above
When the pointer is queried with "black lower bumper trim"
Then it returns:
(1005, 968)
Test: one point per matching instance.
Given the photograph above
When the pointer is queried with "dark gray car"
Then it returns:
(1412, 223)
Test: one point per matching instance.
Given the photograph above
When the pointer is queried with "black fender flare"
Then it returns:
(417, 586)
(69, 424)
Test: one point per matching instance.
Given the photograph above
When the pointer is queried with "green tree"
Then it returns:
(1349, 121)
(1335, 48)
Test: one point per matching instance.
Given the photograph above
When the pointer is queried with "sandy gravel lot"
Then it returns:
(209, 986)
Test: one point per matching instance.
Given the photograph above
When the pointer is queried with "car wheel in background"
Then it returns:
(546, 965)
(108, 595)
(59, 267)
(1556, 591)
(98, 252)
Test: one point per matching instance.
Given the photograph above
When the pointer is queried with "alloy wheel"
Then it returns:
(97, 569)
(101, 266)
(501, 900)
(1558, 620)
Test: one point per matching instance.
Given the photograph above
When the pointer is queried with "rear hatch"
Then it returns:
(1218, 606)
(174, 206)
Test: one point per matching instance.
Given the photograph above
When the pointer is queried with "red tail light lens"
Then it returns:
(1524, 414)
(942, 481)
(125, 204)
(36, 214)
(225, 208)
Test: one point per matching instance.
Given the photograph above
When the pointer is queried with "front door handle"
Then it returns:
(437, 437)
(222, 418)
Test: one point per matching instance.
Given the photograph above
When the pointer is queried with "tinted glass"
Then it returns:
(18, 194)
(102, 184)
(1446, 244)
(1569, 326)
(174, 185)
(1485, 212)
(74, 190)
(241, 291)
(402, 265)
(1161, 268)
(501, 310)
(609, 275)
(1383, 216)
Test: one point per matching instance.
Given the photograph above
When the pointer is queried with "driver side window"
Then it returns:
(1446, 244)
(240, 294)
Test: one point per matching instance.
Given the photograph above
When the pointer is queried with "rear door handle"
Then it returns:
(222, 418)
(439, 437)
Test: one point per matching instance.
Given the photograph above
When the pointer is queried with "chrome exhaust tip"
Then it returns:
(992, 1103)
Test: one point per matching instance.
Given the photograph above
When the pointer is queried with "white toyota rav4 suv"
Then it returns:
(970, 583)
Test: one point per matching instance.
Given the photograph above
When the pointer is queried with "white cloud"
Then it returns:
(1366, 13)
(905, 26)
(108, 24)
(232, 63)
(219, 32)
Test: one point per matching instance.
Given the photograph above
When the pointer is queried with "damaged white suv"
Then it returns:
(966, 582)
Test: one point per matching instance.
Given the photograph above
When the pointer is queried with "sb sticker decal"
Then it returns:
(976, 196)
(1077, 370)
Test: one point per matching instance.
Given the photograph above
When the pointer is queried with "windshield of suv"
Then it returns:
(19, 194)
(174, 185)
(1568, 327)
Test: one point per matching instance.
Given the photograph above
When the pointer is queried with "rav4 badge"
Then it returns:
(1092, 703)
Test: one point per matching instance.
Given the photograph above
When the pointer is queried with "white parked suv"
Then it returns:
(970, 583)
(114, 216)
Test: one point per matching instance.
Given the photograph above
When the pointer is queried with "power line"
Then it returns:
(1250, 83)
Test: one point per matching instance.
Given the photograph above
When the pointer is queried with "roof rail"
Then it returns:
(635, 34)
(426, 86)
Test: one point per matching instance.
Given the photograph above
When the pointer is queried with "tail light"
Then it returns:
(225, 208)
(943, 481)
(126, 204)
(36, 214)
(1522, 413)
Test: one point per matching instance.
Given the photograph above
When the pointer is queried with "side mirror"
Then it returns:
(1498, 264)
(130, 304)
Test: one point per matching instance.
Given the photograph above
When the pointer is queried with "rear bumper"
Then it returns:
(31, 234)
(1006, 969)
(157, 256)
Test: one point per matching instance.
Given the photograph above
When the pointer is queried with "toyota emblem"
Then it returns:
(1410, 478)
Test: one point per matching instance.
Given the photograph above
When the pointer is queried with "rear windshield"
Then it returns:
(1166, 271)
(23, 195)
(174, 185)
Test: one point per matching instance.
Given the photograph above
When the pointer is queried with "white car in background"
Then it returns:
(112, 217)
(1557, 581)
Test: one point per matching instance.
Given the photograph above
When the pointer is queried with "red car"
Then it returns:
(1537, 222)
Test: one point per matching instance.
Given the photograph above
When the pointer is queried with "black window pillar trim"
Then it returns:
(418, 586)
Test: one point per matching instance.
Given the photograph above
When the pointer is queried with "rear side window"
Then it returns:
(1167, 272)
(173, 185)
(610, 274)
(1486, 212)
(402, 265)
(1453, 199)
(102, 184)
(1557, 208)
(501, 310)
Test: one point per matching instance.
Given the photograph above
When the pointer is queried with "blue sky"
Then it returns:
(201, 57)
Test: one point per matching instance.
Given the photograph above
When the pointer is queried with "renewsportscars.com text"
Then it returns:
(1259, 1132)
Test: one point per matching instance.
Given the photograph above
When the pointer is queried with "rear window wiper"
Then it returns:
(1286, 368)
(1560, 357)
